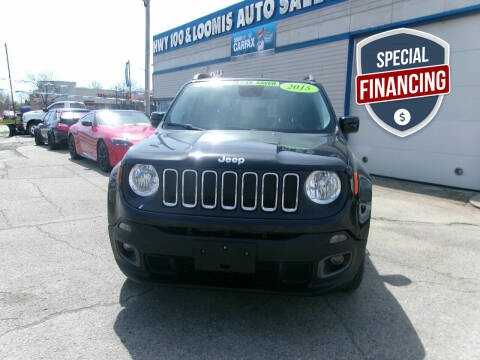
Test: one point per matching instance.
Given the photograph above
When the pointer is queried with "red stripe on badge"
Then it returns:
(402, 84)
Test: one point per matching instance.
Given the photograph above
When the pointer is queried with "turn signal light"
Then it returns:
(338, 238)
(119, 173)
(355, 183)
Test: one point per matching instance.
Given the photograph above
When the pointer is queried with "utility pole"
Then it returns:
(146, 3)
(129, 86)
(10, 78)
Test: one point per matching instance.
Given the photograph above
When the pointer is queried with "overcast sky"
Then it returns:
(86, 40)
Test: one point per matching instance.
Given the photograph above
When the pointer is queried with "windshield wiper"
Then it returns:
(184, 126)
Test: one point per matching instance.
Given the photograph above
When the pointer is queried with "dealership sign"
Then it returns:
(244, 15)
(255, 41)
(402, 77)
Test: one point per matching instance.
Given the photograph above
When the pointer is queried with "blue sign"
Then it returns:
(244, 15)
(257, 40)
(127, 74)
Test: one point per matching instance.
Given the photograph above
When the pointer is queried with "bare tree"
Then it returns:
(4, 101)
(44, 88)
(95, 85)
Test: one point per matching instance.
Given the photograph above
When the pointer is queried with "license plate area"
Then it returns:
(225, 257)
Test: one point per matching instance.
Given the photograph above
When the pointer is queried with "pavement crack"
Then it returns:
(62, 221)
(88, 180)
(140, 294)
(45, 232)
(350, 333)
(57, 314)
(385, 219)
(74, 311)
(15, 150)
(434, 283)
(39, 190)
(422, 268)
(2, 213)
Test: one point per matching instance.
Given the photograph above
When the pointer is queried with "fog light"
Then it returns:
(125, 227)
(129, 253)
(337, 238)
(334, 265)
(128, 247)
(337, 260)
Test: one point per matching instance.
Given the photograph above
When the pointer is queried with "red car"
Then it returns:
(106, 135)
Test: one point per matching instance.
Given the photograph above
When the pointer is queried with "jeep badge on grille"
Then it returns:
(231, 159)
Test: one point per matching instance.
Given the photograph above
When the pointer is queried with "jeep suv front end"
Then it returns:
(246, 184)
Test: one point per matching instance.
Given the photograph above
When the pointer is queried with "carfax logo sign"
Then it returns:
(402, 77)
(257, 40)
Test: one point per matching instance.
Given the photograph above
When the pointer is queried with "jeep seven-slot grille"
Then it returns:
(230, 190)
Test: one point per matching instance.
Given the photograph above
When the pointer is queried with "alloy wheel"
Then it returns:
(102, 157)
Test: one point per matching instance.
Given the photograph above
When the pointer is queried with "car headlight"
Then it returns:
(323, 187)
(121, 142)
(143, 180)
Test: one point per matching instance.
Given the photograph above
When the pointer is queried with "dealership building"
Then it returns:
(438, 142)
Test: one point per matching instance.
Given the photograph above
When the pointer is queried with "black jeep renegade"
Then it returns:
(247, 183)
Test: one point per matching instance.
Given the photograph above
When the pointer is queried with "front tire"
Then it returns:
(11, 130)
(72, 148)
(102, 157)
(38, 139)
(357, 280)
(31, 128)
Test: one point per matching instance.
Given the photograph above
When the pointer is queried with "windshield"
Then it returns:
(121, 118)
(72, 115)
(250, 105)
(77, 105)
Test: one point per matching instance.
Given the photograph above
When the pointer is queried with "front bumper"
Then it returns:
(280, 254)
(292, 263)
(116, 153)
(60, 137)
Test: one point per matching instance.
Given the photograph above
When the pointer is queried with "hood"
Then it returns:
(132, 133)
(244, 149)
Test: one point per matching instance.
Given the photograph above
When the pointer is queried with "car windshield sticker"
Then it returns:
(246, 83)
(258, 83)
(299, 87)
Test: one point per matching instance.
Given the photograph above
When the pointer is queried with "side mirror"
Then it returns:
(156, 118)
(45, 110)
(87, 123)
(349, 124)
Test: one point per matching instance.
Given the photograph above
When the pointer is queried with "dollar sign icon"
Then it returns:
(402, 117)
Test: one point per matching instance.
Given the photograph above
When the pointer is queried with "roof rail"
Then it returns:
(309, 78)
(201, 76)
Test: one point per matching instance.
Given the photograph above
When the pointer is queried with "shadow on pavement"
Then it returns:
(164, 322)
(89, 165)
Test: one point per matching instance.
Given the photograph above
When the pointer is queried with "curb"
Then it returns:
(475, 201)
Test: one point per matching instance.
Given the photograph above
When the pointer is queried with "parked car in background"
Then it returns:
(106, 135)
(31, 119)
(8, 114)
(54, 127)
(23, 109)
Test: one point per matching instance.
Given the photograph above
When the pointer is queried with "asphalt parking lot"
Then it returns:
(62, 296)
